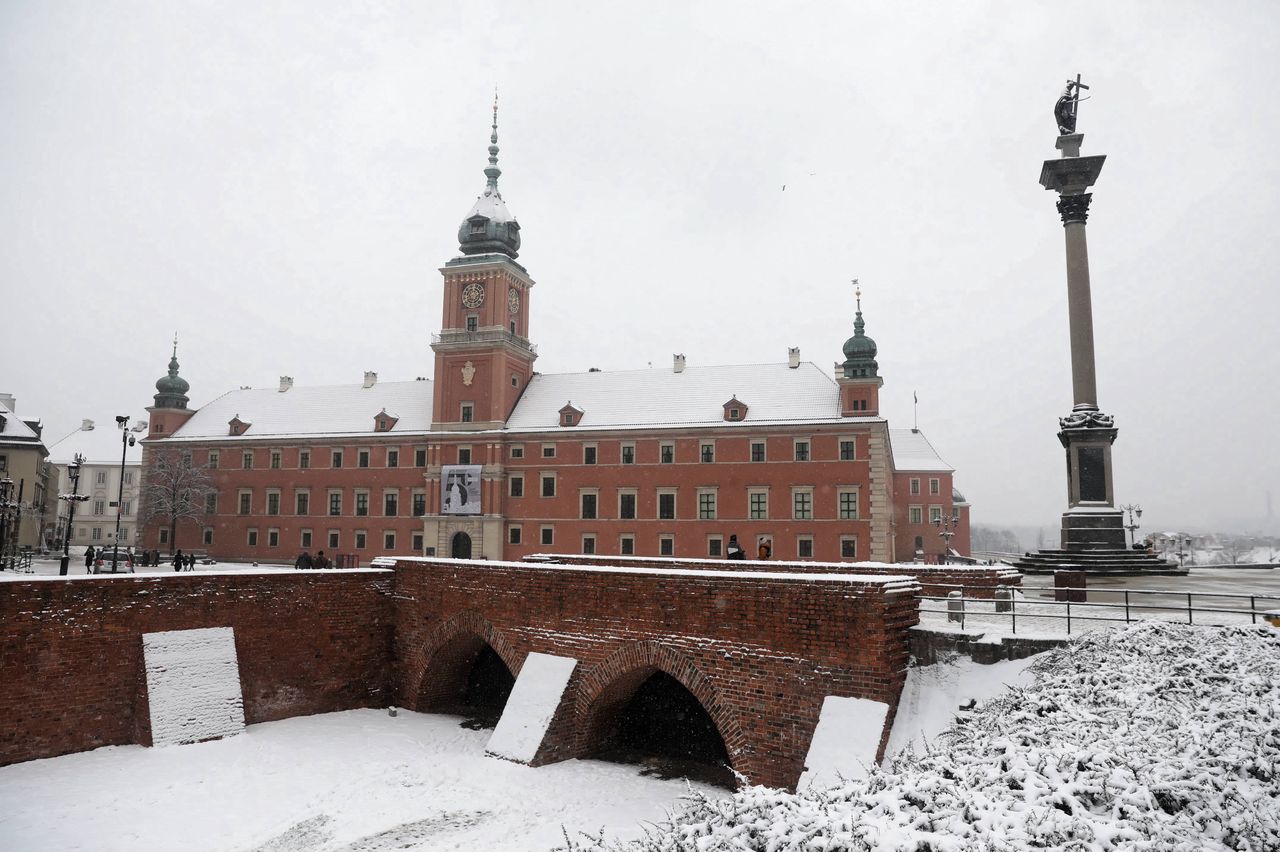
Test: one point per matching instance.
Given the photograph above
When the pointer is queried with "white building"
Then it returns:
(101, 443)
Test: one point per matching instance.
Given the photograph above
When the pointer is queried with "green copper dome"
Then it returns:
(860, 351)
(172, 389)
(490, 228)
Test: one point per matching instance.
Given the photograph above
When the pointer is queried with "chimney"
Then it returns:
(86, 425)
(370, 379)
(286, 382)
(679, 364)
(793, 357)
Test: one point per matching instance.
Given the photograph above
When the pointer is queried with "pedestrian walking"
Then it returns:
(320, 561)
(178, 560)
(734, 550)
(88, 558)
(303, 562)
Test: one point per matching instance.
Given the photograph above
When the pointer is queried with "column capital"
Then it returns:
(1074, 208)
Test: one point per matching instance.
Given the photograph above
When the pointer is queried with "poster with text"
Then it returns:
(460, 489)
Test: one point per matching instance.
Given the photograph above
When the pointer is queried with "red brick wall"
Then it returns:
(71, 651)
(760, 653)
(976, 581)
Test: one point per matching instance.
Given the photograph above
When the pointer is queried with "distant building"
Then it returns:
(101, 476)
(494, 460)
(23, 462)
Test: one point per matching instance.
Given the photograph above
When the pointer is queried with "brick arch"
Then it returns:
(451, 648)
(609, 685)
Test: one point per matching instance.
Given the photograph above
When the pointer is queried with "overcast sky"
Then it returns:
(280, 182)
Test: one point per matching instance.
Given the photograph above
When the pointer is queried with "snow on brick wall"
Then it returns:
(533, 702)
(845, 742)
(193, 685)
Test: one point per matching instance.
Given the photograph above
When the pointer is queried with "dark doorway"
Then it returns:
(488, 687)
(461, 547)
(664, 729)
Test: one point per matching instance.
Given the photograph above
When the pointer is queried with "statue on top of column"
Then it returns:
(1065, 110)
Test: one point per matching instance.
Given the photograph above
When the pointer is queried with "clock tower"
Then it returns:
(483, 355)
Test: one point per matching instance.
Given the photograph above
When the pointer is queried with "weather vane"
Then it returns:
(1065, 110)
(857, 292)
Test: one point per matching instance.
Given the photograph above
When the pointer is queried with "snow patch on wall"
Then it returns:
(845, 742)
(193, 685)
(533, 702)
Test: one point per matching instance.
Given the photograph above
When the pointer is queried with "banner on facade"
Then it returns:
(460, 489)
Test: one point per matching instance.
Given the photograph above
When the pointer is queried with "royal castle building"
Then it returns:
(493, 460)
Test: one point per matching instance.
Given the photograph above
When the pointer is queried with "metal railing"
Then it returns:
(959, 607)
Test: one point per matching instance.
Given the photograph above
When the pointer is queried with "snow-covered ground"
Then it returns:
(338, 782)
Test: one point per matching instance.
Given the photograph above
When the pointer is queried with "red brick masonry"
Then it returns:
(760, 651)
(71, 668)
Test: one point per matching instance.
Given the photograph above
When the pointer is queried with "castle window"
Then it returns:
(393, 458)
(516, 488)
(848, 504)
(667, 453)
(361, 539)
(628, 453)
(388, 541)
(627, 545)
(213, 459)
(304, 459)
(333, 539)
(548, 451)
(589, 454)
(548, 485)
(417, 543)
(273, 502)
(362, 503)
(335, 503)
(305, 539)
(666, 505)
(706, 505)
(273, 538)
(757, 451)
(468, 412)
(477, 227)
(517, 452)
(802, 450)
(464, 455)
(207, 539)
(804, 547)
(935, 514)
(588, 544)
(666, 545)
(419, 505)
(802, 505)
(362, 458)
(246, 460)
(759, 503)
(513, 534)
(211, 504)
(626, 505)
(548, 535)
(915, 515)
(302, 502)
(934, 486)
(588, 501)
(246, 502)
(847, 451)
(253, 538)
(336, 458)
(420, 457)
(715, 546)
(848, 547)
(390, 504)
(915, 486)
(473, 322)
(707, 452)
(275, 459)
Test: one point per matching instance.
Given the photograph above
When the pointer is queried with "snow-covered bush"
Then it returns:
(1151, 737)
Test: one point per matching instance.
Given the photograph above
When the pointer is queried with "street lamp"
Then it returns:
(73, 470)
(946, 530)
(1132, 526)
(126, 441)
(1184, 549)
(7, 504)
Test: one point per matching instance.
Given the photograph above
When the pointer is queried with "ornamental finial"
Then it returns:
(493, 171)
(175, 344)
(857, 292)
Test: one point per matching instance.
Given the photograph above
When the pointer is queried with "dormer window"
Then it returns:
(735, 410)
(384, 422)
(570, 416)
(478, 226)
(238, 426)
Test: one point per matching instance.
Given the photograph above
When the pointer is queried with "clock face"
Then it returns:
(473, 295)
(513, 300)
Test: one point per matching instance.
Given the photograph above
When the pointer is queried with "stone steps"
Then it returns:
(1119, 562)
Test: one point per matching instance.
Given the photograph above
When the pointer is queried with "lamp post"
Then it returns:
(1184, 548)
(6, 532)
(946, 530)
(126, 441)
(74, 497)
(1132, 526)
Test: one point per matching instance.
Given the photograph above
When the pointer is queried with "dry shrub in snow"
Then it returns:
(1151, 737)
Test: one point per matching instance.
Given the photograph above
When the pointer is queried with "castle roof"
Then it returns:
(15, 431)
(313, 412)
(100, 445)
(913, 452)
(775, 394)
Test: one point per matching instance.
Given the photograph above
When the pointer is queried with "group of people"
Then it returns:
(102, 556)
(735, 551)
(306, 561)
(184, 561)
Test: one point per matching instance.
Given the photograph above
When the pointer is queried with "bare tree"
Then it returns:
(173, 490)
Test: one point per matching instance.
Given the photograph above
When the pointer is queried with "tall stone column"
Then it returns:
(1091, 521)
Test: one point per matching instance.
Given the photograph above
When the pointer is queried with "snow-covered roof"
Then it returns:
(303, 412)
(772, 393)
(912, 451)
(15, 431)
(491, 205)
(100, 445)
